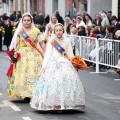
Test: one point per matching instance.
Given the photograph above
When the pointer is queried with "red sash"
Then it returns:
(26, 37)
(82, 65)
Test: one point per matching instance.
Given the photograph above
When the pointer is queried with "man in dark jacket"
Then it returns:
(115, 22)
(59, 18)
(97, 20)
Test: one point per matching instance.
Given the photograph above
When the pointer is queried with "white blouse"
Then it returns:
(81, 24)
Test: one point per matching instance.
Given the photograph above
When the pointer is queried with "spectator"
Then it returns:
(50, 26)
(8, 33)
(115, 22)
(109, 32)
(80, 22)
(47, 19)
(13, 17)
(67, 21)
(18, 15)
(83, 16)
(105, 20)
(88, 20)
(70, 25)
(81, 31)
(59, 18)
(97, 20)
(88, 29)
(109, 14)
(74, 11)
(117, 34)
(40, 22)
(40, 19)
(73, 31)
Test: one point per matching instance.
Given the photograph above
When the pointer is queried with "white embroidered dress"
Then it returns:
(59, 86)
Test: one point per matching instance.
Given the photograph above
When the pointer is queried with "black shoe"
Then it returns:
(27, 99)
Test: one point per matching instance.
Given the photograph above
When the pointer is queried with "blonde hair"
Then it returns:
(74, 31)
(117, 33)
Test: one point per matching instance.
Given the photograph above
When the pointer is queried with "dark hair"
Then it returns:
(68, 28)
(88, 29)
(110, 12)
(89, 16)
(103, 29)
(110, 28)
(82, 32)
(114, 18)
(95, 31)
(58, 25)
(27, 16)
(9, 21)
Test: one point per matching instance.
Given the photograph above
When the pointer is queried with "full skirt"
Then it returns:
(58, 87)
(25, 73)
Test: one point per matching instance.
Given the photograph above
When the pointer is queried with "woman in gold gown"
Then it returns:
(25, 71)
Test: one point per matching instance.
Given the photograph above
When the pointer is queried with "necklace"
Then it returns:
(59, 39)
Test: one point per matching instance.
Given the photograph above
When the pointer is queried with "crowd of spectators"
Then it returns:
(103, 25)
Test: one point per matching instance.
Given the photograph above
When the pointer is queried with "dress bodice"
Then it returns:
(55, 54)
(34, 35)
(52, 54)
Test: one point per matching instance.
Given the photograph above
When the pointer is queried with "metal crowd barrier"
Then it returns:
(109, 53)
(100, 51)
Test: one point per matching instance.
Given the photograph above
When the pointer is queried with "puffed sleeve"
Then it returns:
(40, 35)
(40, 38)
(17, 41)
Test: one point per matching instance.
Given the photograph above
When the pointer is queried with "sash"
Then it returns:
(61, 50)
(26, 37)
(58, 47)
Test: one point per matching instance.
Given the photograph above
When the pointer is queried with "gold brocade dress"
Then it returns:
(25, 72)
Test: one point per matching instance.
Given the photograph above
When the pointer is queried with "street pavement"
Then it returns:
(102, 98)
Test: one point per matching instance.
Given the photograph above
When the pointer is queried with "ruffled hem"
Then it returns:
(47, 108)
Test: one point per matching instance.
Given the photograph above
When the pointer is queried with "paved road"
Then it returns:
(102, 99)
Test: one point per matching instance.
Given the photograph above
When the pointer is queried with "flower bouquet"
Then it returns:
(14, 56)
(13, 30)
(2, 31)
(79, 63)
(45, 39)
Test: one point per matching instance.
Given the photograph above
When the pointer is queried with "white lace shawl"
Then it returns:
(49, 50)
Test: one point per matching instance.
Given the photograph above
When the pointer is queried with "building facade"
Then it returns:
(65, 7)
(94, 6)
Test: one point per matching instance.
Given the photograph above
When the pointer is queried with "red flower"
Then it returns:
(18, 55)
(79, 63)
(14, 55)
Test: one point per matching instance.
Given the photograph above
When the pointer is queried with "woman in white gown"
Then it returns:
(58, 86)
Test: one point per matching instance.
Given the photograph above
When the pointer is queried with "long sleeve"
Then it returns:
(48, 53)
(40, 38)
(69, 49)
